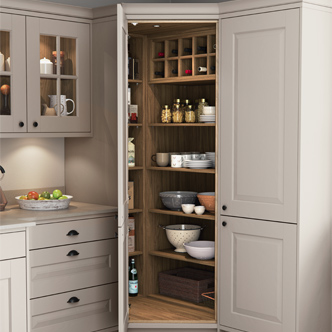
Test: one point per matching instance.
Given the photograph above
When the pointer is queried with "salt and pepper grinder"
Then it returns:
(3, 200)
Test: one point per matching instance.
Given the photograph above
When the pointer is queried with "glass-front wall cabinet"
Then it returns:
(61, 71)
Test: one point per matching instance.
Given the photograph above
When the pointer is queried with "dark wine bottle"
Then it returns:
(159, 73)
(133, 279)
(174, 71)
(188, 71)
(188, 50)
(175, 51)
(213, 68)
(161, 54)
(202, 48)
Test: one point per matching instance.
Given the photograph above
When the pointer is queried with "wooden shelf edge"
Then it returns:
(205, 216)
(196, 124)
(135, 253)
(135, 168)
(208, 79)
(135, 81)
(184, 257)
(132, 211)
(172, 169)
(135, 124)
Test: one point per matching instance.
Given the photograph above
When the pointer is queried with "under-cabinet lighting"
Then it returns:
(134, 23)
(156, 26)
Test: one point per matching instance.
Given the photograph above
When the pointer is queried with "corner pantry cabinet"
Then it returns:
(272, 139)
(45, 70)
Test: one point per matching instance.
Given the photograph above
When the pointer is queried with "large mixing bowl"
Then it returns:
(200, 249)
(174, 199)
(177, 235)
(208, 200)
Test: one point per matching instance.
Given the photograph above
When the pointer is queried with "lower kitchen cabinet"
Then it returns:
(258, 288)
(13, 317)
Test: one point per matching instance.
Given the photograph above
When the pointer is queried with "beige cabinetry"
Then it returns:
(13, 301)
(73, 275)
(45, 79)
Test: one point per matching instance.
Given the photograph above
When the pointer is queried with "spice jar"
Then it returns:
(177, 115)
(166, 115)
(199, 111)
(189, 114)
(55, 62)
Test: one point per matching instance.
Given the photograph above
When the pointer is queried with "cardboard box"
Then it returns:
(131, 238)
(131, 195)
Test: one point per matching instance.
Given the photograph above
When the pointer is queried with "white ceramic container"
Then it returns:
(46, 66)
(188, 208)
(199, 209)
(200, 249)
(209, 110)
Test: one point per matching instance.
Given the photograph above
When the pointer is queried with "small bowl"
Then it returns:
(199, 209)
(188, 208)
(208, 200)
(203, 250)
(209, 110)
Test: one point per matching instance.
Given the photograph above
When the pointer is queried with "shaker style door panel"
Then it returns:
(58, 76)
(12, 74)
(13, 295)
(257, 275)
(259, 118)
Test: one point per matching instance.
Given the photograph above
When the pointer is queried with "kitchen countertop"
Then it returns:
(14, 217)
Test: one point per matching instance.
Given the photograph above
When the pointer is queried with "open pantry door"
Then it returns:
(122, 104)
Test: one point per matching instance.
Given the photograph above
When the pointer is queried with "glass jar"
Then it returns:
(177, 115)
(166, 115)
(190, 114)
(201, 103)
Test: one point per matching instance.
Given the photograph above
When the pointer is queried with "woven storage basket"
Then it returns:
(208, 299)
(186, 283)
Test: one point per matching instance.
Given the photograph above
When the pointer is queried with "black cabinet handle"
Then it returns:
(35, 124)
(73, 253)
(73, 299)
(224, 223)
(72, 233)
(21, 124)
(224, 207)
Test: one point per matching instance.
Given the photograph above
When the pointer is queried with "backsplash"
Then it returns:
(32, 163)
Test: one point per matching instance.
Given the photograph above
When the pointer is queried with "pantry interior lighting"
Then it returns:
(156, 26)
(134, 23)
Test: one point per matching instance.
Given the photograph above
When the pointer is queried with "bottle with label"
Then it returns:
(131, 152)
(133, 279)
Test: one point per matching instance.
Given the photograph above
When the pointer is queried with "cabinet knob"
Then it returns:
(224, 223)
(73, 253)
(21, 124)
(73, 299)
(35, 124)
(72, 233)
(224, 207)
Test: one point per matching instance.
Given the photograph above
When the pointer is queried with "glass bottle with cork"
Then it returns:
(133, 279)
(166, 115)
(199, 111)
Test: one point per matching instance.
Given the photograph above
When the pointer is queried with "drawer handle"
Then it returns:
(72, 233)
(73, 253)
(73, 299)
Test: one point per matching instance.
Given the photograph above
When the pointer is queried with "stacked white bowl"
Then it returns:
(211, 156)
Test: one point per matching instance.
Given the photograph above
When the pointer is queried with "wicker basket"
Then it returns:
(208, 299)
(186, 284)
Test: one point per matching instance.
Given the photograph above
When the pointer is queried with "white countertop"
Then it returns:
(14, 217)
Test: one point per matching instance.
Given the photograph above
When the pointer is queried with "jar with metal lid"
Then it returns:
(189, 114)
(177, 115)
(166, 115)
(201, 103)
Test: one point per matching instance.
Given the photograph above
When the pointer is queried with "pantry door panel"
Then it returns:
(257, 275)
(259, 118)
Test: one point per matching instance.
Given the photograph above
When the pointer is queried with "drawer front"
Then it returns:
(65, 268)
(86, 310)
(12, 245)
(71, 232)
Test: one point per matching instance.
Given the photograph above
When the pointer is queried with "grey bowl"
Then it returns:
(173, 199)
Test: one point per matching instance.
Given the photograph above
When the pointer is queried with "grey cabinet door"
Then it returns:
(260, 114)
(257, 273)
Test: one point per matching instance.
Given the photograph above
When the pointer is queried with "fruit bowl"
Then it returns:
(44, 205)
(200, 249)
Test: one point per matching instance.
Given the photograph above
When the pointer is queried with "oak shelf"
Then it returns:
(135, 211)
(194, 79)
(184, 257)
(135, 168)
(172, 169)
(135, 125)
(134, 81)
(196, 124)
(135, 253)
(205, 216)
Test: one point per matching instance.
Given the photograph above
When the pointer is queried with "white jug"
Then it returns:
(63, 102)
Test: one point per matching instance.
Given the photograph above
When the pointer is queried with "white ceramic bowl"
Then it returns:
(203, 250)
(177, 235)
(209, 110)
(199, 209)
(188, 208)
(44, 205)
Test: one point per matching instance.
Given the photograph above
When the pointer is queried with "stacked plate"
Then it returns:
(198, 164)
(211, 156)
(207, 118)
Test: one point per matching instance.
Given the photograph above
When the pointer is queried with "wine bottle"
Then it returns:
(159, 73)
(161, 54)
(213, 68)
(174, 71)
(202, 48)
(133, 279)
(130, 58)
(175, 51)
(202, 69)
(188, 71)
(188, 50)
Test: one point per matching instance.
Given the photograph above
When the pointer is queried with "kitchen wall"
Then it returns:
(32, 163)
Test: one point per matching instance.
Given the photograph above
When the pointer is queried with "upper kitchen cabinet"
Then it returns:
(58, 76)
(12, 73)
(259, 118)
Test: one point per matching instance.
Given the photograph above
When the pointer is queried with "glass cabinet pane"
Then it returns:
(5, 51)
(68, 56)
(5, 95)
(47, 47)
(48, 97)
(68, 97)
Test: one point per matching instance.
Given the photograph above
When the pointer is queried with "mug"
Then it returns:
(162, 159)
(63, 102)
(177, 161)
